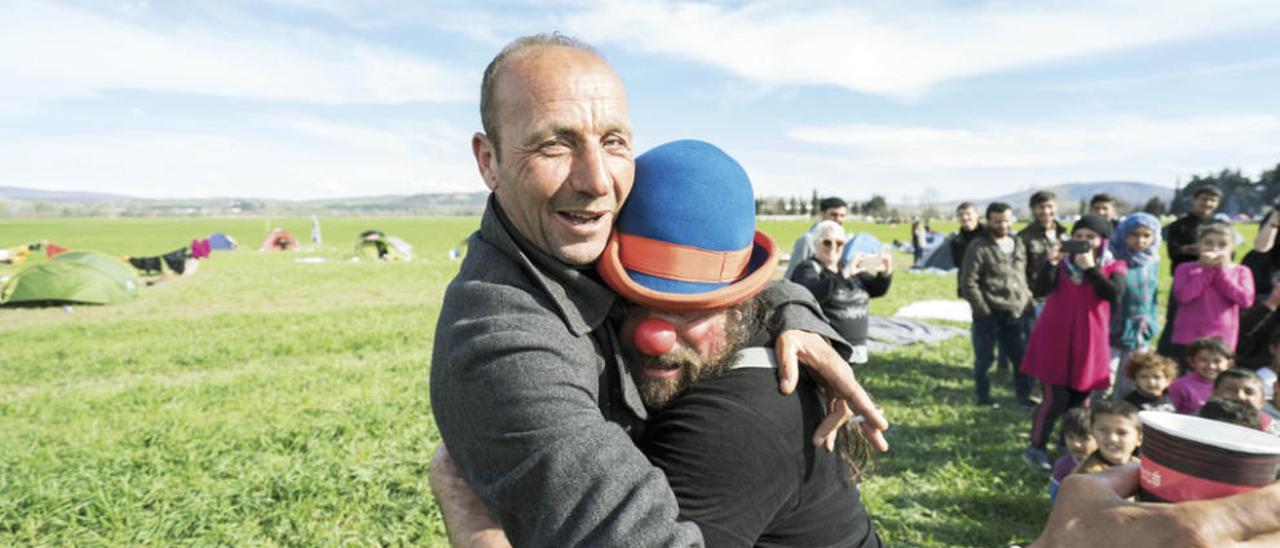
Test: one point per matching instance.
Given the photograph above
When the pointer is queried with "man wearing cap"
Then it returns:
(829, 209)
(733, 449)
(1180, 236)
(528, 387)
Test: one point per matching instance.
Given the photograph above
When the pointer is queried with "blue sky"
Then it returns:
(918, 101)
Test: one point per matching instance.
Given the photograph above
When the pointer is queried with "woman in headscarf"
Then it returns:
(1136, 241)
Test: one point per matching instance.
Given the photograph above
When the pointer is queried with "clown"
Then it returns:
(688, 259)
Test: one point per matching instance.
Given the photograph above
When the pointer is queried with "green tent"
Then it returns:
(79, 279)
(111, 266)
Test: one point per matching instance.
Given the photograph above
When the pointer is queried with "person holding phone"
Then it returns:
(1070, 350)
(1264, 259)
(844, 288)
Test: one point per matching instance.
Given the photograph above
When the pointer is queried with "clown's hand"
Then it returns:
(794, 347)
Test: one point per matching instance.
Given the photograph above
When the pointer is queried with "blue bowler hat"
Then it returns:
(686, 239)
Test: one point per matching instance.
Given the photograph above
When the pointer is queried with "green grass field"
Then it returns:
(267, 402)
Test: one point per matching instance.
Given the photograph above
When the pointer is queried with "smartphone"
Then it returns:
(870, 263)
(1075, 247)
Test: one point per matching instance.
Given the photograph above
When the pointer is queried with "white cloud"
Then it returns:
(293, 159)
(52, 51)
(902, 49)
(990, 159)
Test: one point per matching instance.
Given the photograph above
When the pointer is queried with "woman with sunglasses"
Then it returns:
(844, 289)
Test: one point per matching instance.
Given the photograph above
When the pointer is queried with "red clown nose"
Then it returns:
(654, 337)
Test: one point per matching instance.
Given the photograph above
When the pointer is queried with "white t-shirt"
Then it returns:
(1006, 245)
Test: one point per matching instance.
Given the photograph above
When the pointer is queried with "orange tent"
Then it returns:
(52, 250)
(279, 240)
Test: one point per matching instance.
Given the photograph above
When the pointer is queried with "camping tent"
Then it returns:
(74, 281)
(115, 268)
(938, 256)
(862, 242)
(219, 240)
(375, 244)
(279, 240)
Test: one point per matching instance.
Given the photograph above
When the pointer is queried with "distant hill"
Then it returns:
(59, 196)
(27, 202)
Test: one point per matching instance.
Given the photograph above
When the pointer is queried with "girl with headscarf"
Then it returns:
(1136, 241)
(1069, 350)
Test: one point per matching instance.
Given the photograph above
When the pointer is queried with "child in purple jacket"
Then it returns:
(1211, 291)
(1209, 358)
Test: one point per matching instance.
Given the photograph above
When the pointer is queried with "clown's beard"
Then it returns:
(658, 392)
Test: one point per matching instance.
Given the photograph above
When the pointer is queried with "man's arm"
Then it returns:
(466, 518)
(793, 308)
(1045, 280)
(970, 287)
(1091, 510)
(804, 336)
(515, 397)
(1182, 243)
(1253, 319)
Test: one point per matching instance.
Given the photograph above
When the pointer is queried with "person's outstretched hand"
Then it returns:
(1092, 511)
(795, 347)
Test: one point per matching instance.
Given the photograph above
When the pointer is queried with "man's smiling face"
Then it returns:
(564, 163)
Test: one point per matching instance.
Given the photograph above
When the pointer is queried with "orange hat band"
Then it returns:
(681, 262)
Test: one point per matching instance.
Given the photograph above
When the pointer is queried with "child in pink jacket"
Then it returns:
(1211, 291)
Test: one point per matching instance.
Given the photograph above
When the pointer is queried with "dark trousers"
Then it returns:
(1057, 400)
(1164, 346)
(998, 328)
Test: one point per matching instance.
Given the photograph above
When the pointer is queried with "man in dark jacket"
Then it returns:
(970, 227)
(1180, 236)
(527, 385)
(1040, 237)
(995, 285)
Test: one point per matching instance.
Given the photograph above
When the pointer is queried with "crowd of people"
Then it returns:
(1077, 312)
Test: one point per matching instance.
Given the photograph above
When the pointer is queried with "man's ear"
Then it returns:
(486, 159)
